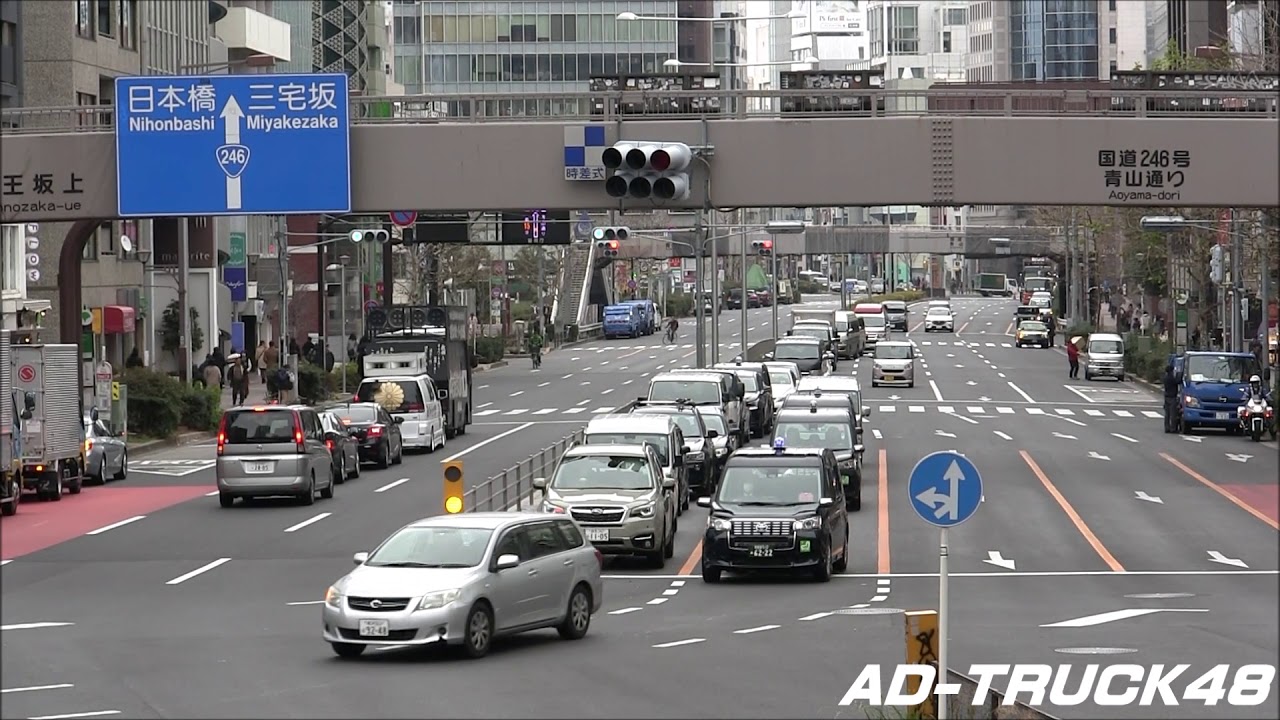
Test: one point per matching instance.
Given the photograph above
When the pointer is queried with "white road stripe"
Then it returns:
(670, 591)
(1064, 411)
(1002, 435)
(517, 411)
(888, 409)
(678, 643)
(816, 616)
(977, 410)
(308, 521)
(198, 571)
(656, 601)
(575, 410)
(35, 625)
(1018, 390)
(69, 716)
(115, 525)
(5, 562)
(482, 413)
(1123, 413)
(602, 410)
(879, 598)
(306, 602)
(762, 628)
(915, 408)
(1153, 414)
(394, 483)
(545, 411)
(482, 443)
(1093, 413)
(1005, 410)
(1126, 438)
(876, 434)
(1034, 411)
(35, 688)
(625, 611)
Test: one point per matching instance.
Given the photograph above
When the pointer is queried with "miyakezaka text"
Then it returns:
(1072, 685)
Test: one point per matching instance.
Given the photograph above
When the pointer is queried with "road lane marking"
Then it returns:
(482, 443)
(5, 562)
(566, 377)
(71, 715)
(1126, 438)
(879, 598)
(937, 394)
(762, 628)
(1221, 491)
(1075, 518)
(670, 591)
(212, 493)
(695, 556)
(1033, 573)
(1114, 615)
(1002, 435)
(657, 601)
(36, 688)
(815, 616)
(876, 434)
(394, 483)
(483, 405)
(1018, 390)
(517, 393)
(308, 521)
(544, 411)
(35, 625)
(198, 571)
(306, 602)
(544, 384)
(678, 643)
(115, 525)
(625, 611)
(882, 510)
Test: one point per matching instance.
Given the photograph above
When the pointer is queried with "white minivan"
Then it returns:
(1105, 356)
(400, 384)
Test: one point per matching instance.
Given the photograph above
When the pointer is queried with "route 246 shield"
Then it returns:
(233, 159)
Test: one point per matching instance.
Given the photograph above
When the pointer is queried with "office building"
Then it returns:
(1146, 29)
(1253, 29)
(1040, 40)
(10, 54)
(918, 40)
(833, 32)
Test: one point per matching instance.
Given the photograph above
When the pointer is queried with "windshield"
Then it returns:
(835, 436)
(618, 312)
(715, 422)
(796, 351)
(771, 485)
(659, 442)
(810, 331)
(603, 472)
(251, 426)
(445, 547)
(873, 321)
(1221, 368)
(895, 307)
(687, 423)
(749, 383)
(1037, 284)
(356, 414)
(1033, 326)
(396, 396)
(1106, 347)
(695, 391)
(1039, 302)
(938, 312)
(893, 352)
(781, 379)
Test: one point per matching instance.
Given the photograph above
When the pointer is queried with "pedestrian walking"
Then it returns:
(1073, 358)
(238, 378)
(259, 360)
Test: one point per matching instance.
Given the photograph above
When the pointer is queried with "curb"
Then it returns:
(490, 366)
(152, 446)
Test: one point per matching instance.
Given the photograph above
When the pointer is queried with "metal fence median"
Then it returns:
(512, 489)
(991, 707)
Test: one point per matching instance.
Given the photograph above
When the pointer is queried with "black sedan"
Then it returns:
(346, 457)
(376, 433)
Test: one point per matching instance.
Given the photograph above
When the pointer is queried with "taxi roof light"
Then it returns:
(779, 446)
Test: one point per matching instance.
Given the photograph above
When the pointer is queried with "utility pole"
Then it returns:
(184, 312)
(1237, 285)
(699, 295)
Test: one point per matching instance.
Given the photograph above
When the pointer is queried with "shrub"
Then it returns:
(489, 350)
(156, 402)
(679, 305)
(809, 287)
(908, 296)
(522, 311)
(201, 408)
(334, 379)
(312, 384)
(1146, 357)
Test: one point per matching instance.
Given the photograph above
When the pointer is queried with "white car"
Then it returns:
(939, 318)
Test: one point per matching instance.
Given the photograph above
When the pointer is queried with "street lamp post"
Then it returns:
(773, 272)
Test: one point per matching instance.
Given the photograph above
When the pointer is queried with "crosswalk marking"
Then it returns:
(575, 410)
(1152, 414)
(946, 409)
(483, 413)
(915, 408)
(975, 410)
(1035, 411)
(1005, 410)
(1065, 411)
(599, 411)
(1093, 413)
(519, 411)
(888, 409)
(1123, 413)
(545, 411)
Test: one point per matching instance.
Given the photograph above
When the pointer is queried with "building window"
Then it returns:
(106, 239)
(407, 30)
(1111, 36)
(86, 100)
(953, 16)
(84, 19)
(11, 258)
(105, 27)
(946, 41)
(129, 24)
(1112, 6)
(90, 252)
(904, 33)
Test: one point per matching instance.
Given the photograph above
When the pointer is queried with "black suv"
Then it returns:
(777, 509)
(896, 314)
(759, 393)
(850, 461)
(833, 428)
(700, 462)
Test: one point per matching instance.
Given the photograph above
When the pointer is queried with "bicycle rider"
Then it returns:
(672, 326)
(534, 341)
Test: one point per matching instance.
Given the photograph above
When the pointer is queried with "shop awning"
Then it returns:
(117, 319)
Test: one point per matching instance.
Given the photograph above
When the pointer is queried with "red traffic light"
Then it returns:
(612, 244)
(766, 244)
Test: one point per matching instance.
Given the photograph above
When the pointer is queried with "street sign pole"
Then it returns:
(945, 489)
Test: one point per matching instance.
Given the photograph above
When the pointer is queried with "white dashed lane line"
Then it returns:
(668, 593)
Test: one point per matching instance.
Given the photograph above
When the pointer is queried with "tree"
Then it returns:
(171, 332)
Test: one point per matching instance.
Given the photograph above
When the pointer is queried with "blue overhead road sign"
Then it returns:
(945, 489)
(233, 145)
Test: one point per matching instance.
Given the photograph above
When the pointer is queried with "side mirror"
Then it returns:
(704, 501)
(398, 420)
(442, 394)
(506, 562)
(768, 356)
(713, 434)
(686, 449)
(540, 483)
(866, 412)
(668, 483)
(826, 502)
(29, 403)
(859, 448)
(361, 558)
(93, 414)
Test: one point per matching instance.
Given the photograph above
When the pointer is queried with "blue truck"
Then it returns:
(1214, 386)
(622, 321)
(648, 315)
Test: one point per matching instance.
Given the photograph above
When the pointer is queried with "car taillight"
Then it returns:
(298, 437)
(222, 434)
(375, 431)
(1268, 412)
(414, 407)
(355, 398)
(599, 557)
(328, 444)
(88, 446)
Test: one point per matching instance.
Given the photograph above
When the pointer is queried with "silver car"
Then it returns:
(273, 450)
(105, 455)
(464, 580)
(894, 364)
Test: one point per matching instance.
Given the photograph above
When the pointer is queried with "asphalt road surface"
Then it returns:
(1100, 540)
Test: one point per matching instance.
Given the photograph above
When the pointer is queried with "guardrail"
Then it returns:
(734, 104)
(961, 707)
(512, 489)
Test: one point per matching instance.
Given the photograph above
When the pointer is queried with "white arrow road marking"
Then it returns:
(1064, 436)
(35, 625)
(1215, 556)
(970, 382)
(895, 397)
(1114, 615)
(1126, 438)
(1097, 456)
(231, 115)
(984, 398)
(1149, 498)
(1002, 435)
(1192, 438)
(1238, 457)
(995, 558)
(943, 433)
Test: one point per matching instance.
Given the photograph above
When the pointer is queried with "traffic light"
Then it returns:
(763, 247)
(453, 493)
(1215, 264)
(648, 169)
(374, 235)
(608, 240)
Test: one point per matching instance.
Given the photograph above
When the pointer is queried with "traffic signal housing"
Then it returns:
(763, 247)
(609, 240)
(1216, 271)
(453, 491)
(643, 170)
(374, 235)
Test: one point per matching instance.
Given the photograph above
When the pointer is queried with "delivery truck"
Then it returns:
(993, 284)
(10, 485)
(46, 390)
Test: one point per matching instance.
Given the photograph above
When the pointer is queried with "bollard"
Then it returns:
(922, 649)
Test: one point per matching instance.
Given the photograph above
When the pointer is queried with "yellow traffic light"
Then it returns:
(453, 489)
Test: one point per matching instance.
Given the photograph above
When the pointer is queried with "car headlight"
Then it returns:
(548, 507)
(1190, 401)
(812, 523)
(438, 599)
(333, 597)
(718, 524)
(643, 511)
(695, 457)
(722, 451)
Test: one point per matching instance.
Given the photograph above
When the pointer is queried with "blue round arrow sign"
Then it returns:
(404, 218)
(945, 488)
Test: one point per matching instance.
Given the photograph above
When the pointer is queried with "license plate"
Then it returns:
(597, 534)
(762, 551)
(257, 467)
(1222, 416)
(375, 628)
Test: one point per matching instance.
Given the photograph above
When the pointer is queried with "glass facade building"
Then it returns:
(1053, 40)
(496, 48)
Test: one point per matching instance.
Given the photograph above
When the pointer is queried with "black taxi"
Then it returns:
(823, 421)
(776, 509)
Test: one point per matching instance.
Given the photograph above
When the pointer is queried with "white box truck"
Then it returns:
(46, 381)
(10, 485)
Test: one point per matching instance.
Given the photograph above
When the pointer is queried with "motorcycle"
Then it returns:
(1257, 417)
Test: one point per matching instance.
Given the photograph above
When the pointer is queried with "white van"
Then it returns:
(399, 383)
(1105, 356)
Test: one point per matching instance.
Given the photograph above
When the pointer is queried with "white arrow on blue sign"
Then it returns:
(945, 489)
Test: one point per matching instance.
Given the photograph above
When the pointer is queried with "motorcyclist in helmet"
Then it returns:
(1257, 391)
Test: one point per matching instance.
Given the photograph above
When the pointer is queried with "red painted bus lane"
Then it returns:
(39, 525)
(1263, 497)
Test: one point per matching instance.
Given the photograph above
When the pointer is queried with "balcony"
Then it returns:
(248, 31)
